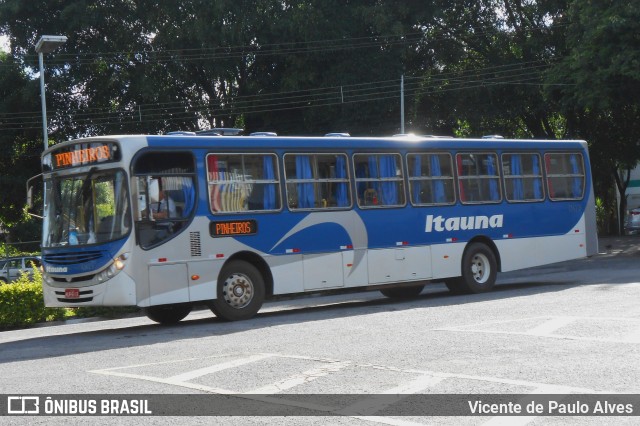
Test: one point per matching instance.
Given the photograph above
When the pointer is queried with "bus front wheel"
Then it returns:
(167, 314)
(479, 271)
(240, 292)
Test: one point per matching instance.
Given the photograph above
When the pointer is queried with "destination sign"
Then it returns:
(230, 228)
(84, 154)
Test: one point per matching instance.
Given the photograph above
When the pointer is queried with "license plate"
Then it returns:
(71, 293)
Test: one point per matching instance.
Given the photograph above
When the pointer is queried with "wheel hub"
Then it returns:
(480, 268)
(238, 291)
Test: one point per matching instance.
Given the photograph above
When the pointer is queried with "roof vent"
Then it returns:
(181, 133)
(221, 131)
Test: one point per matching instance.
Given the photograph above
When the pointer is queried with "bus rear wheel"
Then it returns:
(240, 292)
(479, 271)
(167, 314)
(402, 292)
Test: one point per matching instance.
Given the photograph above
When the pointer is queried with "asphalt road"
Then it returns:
(570, 328)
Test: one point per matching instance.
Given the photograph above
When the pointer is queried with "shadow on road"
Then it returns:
(117, 334)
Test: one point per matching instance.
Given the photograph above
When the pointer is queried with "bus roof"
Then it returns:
(404, 142)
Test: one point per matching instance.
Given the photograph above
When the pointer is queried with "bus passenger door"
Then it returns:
(168, 283)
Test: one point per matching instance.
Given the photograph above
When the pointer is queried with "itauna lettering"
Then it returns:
(82, 156)
(441, 224)
(233, 227)
(55, 269)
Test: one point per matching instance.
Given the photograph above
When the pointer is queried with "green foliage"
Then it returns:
(19, 147)
(22, 303)
(545, 69)
(601, 216)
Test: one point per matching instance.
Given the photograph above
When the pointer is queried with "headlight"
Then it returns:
(113, 269)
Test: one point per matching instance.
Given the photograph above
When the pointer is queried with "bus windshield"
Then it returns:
(86, 209)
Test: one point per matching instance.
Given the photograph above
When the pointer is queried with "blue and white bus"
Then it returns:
(253, 218)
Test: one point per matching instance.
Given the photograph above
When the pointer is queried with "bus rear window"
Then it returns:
(565, 175)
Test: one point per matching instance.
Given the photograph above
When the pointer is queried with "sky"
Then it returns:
(4, 43)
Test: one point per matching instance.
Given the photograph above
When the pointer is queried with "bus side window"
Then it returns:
(522, 177)
(430, 178)
(165, 195)
(317, 181)
(379, 180)
(242, 182)
(565, 175)
(478, 177)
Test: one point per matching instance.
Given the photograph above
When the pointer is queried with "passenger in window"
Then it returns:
(165, 208)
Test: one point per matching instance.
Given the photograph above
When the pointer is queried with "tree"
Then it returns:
(600, 91)
(483, 68)
(20, 148)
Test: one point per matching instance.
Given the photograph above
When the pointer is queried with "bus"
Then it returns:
(254, 218)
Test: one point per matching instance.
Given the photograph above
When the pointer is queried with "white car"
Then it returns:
(632, 224)
(12, 267)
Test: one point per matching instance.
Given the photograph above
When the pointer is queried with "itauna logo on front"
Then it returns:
(462, 223)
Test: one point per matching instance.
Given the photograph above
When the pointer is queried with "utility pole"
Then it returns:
(402, 103)
(46, 44)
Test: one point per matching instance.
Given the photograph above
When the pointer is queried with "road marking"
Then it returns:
(190, 375)
(634, 336)
(388, 421)
(548, 326)
(361, 409)
(298, 379)
(381, 401)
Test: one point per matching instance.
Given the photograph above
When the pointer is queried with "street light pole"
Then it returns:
(46, 44)
(45, 133)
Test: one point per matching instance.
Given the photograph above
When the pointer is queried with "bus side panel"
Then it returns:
(288, 273)
(168, 284)
(543, 250)
(446, 260)
(322, 271)
(354, 267)
(203, 278)
(399, 264)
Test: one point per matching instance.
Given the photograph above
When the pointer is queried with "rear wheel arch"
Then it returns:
(489, 243)
(479, 266)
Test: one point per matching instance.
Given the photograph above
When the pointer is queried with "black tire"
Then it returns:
(2, 281)
(402, 292)
(479, 271)
(167, 314)
(241, 292)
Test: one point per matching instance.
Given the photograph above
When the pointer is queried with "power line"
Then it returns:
(161, 115)
(306, 94)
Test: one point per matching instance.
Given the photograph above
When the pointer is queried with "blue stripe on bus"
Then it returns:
(408, 226)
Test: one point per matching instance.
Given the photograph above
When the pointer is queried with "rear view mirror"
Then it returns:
(35, 195)
(29, 197)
